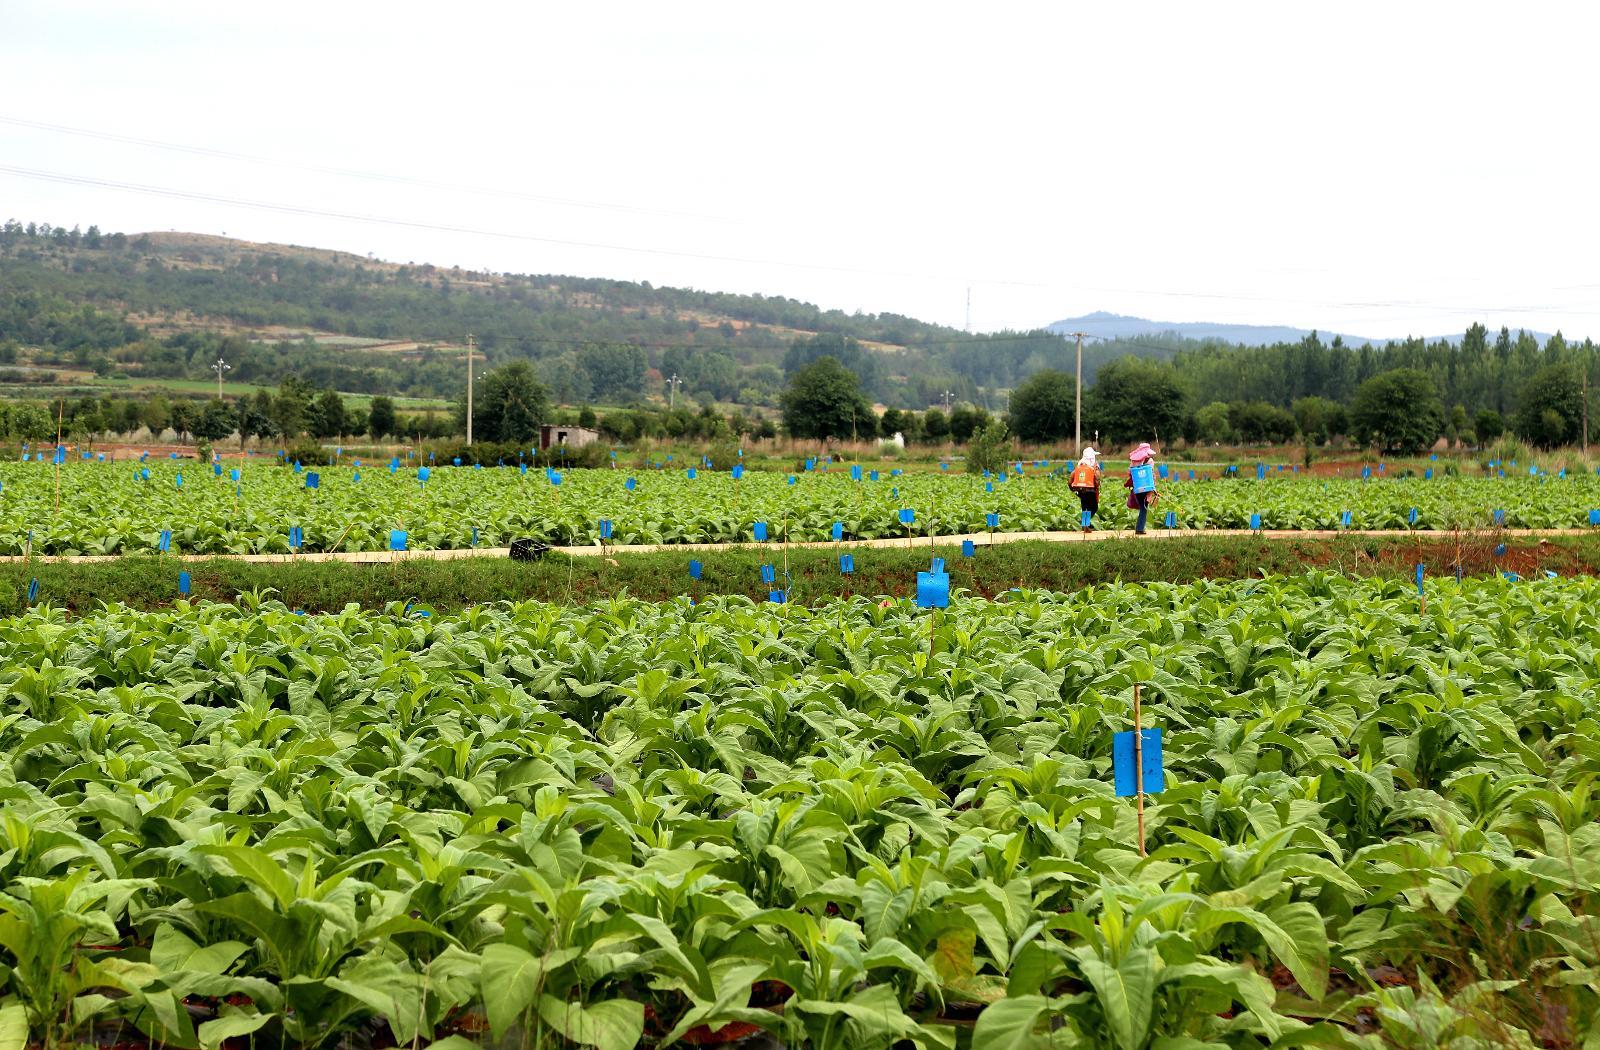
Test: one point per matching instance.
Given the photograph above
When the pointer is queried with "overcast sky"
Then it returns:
(1375, 168)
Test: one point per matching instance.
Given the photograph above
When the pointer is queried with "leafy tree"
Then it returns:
(1398, 411)
(965, 420)
(216, 421)
(586, 417)
(1319, 418)
(514, 404)
(896, 421)
(1256, 422)
(1133, 400)
(380, 417)
(935, 425)
(1487, 426)
(30, 422)
(824, 400)
(157, 415)
(990, 449)
(1458, 427)
(327, 417)
(291, 407)
(1550, 407)
(181, 417)
(615, 371)
(1042, 407)
(1211, 423)
(847, 351)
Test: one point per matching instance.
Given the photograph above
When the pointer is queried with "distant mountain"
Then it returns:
(1119, 326)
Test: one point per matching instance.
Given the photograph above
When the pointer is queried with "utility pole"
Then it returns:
(672, 391)
(220, 367)
(969, 309)
(946, 396)
(1077, 409)
(470, 345)
(1586, 404)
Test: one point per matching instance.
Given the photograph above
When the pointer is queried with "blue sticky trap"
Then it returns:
(183, 583)
(142, 455)
(1191, 475)
(937, 567)
(1261, 471)
(1144, 478)
(178, 480)
(992, 520)
(397, 539)
(791, 479)
(456, 461)
(1551, 574)
(1366, 473)
(968, 549)
(1427, 475)
(164, 544)
(738, 471)
(1172, 519)
(1087, 518)
(811, 463)
(1513, 577)
(631, 484)
(669, 457)
(1383, 468)
(297, 467)
(1421, 569)
(144, 474)
(423, 473)
(838, 531)
(1018, 467)
(1499, 517)
(691, 473)
(522, 469)
(1345, 518)
(1161, 472)
(479, 466)
(933, 590)
(769, 574)
(1155, 773)
(907, 516)
(759, 531)
(313, 480)
(233, 475)
(896, 472)
(1255, 523)
(873, 475)
(1412, 517)
(1500, 550)
(777, 597)
(356, 476)
(33, 590)
(474, 535)
(944, 466)
(1561, 473)
(696, 570)
(605, 528)
(430, 457)
(555, 478)
(1533, 471)
(1594, 517)
(296, 537)
(988, 486)
(847, 564)
(100, 457)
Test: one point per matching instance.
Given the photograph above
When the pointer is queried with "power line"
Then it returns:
(418, 224)
(354, 173)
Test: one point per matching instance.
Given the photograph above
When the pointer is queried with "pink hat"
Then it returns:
(1143, 452)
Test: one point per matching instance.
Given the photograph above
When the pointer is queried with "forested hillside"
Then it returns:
(165, 305)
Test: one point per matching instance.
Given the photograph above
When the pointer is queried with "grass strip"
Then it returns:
(806, 575)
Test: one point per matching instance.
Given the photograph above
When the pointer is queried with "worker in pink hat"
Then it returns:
(1141, 483)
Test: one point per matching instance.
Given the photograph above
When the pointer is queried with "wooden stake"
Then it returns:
(1138, 763)
(55, 453)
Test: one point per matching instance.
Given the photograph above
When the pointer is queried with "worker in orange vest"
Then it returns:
(1085, 481)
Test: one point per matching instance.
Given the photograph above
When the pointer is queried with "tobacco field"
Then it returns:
(113, 508)
(851, 826)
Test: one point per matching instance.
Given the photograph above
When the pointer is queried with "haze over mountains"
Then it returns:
(1105, 325)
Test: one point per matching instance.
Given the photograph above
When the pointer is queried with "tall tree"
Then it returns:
(380, 417)
(1550, 407)
(824, 400)
(514, 404)
(327, 415)
(1398, 411)
(1133, 400)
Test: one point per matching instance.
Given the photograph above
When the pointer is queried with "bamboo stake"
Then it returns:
(1138, 763)
(55, 453)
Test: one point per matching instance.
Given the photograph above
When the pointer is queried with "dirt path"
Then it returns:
(981, 539)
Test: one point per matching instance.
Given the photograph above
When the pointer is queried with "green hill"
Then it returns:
(88, 311)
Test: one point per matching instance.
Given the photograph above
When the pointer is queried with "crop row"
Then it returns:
(854, 826)
(106, 509)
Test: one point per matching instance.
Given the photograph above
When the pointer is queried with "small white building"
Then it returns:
(553, 435)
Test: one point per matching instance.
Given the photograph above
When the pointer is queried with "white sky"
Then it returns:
(1376, 168)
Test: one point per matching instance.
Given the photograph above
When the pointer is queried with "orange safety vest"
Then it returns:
(1084, 477)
